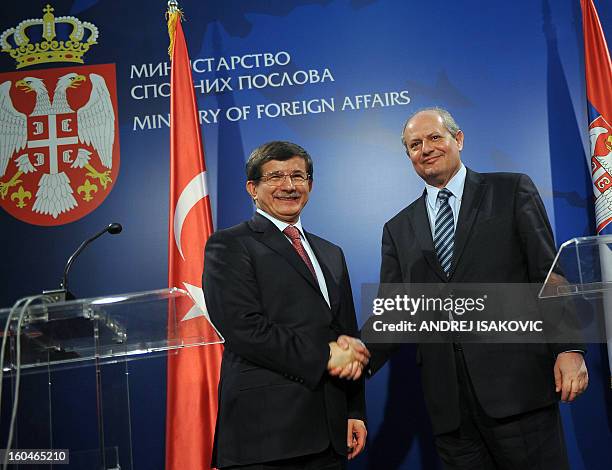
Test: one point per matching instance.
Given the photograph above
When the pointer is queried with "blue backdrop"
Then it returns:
(512, 73)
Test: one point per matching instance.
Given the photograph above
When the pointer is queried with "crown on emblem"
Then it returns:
(48, 49)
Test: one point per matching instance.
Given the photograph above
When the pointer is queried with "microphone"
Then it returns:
(62, 294)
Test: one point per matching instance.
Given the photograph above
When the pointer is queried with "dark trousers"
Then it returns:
(326, 460)
(528, 441)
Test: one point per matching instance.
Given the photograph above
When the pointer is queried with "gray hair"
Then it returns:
(447, 119)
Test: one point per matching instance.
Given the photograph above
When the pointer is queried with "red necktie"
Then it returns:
(296, 240)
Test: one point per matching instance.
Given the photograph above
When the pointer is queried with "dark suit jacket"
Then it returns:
(276, 400)
(502, 236)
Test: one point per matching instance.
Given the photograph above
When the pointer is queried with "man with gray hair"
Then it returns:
(492, 406)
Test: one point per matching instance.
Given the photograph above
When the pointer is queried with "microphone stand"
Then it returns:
(62, 294)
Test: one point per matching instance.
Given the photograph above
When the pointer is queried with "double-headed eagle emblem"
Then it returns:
(55, 132)
(600, 136)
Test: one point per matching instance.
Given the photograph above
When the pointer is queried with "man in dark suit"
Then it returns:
(281, 297)
(491, 405)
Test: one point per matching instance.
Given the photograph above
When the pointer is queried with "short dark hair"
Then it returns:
(275, 150)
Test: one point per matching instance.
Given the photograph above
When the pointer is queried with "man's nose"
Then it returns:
(427, 147)
(288, 183)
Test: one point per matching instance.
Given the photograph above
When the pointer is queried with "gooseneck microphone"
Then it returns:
(63, 293)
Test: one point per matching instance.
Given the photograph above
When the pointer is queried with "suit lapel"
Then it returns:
(421, 227)
(324, 262)
(276, 241)
(470, 203)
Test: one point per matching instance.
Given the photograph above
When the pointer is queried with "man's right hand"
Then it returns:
(348, 357)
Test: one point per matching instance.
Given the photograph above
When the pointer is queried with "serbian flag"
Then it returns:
(193, 372)
(598, 69)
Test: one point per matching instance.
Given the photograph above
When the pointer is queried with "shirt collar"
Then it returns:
(280, 224)
(455, 186)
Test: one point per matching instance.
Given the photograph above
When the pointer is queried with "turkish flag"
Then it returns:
(193, 373)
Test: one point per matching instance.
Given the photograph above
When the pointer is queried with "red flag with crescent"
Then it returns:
(193, 373)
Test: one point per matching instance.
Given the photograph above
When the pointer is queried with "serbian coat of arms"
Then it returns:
(59, 145)
(600, 135)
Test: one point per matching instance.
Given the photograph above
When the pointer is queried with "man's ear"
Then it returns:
(251, 188)
(459, 138)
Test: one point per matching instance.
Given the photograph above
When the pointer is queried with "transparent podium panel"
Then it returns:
(582, 267)
(581, 278)
(68, 366)
(104, 328)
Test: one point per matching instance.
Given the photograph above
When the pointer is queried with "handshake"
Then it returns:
(347, 358)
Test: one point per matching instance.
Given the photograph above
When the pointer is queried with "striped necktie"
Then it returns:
(444, 231)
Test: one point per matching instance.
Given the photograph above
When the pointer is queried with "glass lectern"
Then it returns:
(84, 349)
(582, 275)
